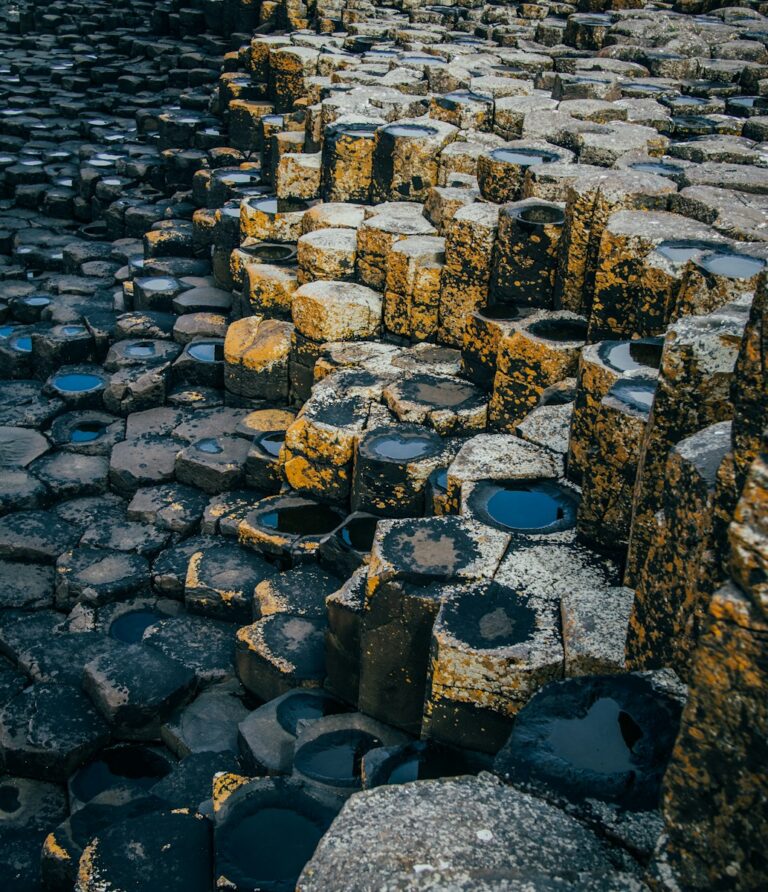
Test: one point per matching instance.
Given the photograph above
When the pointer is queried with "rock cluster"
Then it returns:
(382, 445)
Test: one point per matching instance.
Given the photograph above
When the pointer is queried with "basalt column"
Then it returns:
(716, 789)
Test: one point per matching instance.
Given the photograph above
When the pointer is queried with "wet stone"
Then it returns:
(603, 737)
(447, 404)
(214, 464)
(97, 576)
(25, 586)
(209, 723)
(162, 849)
(172, 507)
(281, 652)
(266, 831)
(20, 446)
(221, 580)
(64, 845)
(69, 475)
(22, 403)
(136, 687)
(267, 736)
(189, 784)
(48, 730)
(130, 767)
(202, 646)
(144, 461)
(60, 660)
(169, 569)
(36, 536)
(299, 591)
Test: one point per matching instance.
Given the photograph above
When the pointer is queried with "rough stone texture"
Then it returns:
(715, 789)
(693, 391)
(468, 833)
(680, 571)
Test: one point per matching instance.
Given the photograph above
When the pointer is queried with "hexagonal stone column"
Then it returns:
(415, 565)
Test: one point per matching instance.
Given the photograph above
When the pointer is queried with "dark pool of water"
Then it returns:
(117, 765)
(335, 758)
(628, 355)
(9, 799)
(130, 626)
(423, 761)
(681, 252)
(525, 505)
(635, 392)
(560, 330)
(272, 253)
(280, 206)
(359, 533)
(601, 741)
(657, 167)
(35, 300)
(73, 331)
(21, 343)
(444, 394)
(411, 131)
(7, 330)
(540, 215)
(302, 706)
(270, 847)
(500, 311)
(302, 520)
(139, 351)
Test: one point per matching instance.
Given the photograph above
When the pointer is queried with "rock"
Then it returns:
(164, 849)
(48, 730)
(136, 688)
(209, 723)
(469, 833)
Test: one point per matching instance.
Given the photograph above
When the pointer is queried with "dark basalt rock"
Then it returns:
(601, 737)
(161, 850)
(221, 581)
(48, 730)
(203, 646)
(136, 688)
(65, 843)
(35, 536)
(267, 736)
(25, 586)
(190, 783)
